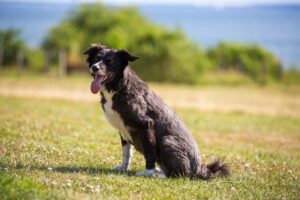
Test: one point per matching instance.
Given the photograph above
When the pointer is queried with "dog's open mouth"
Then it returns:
(100, 80)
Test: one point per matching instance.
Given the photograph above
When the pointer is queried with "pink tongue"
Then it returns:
(96, 84)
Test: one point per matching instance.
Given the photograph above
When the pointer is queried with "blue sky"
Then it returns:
(215, 3)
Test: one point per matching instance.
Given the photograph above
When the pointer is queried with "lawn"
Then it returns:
(56, 144)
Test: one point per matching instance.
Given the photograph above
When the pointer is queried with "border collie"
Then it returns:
(144, 121)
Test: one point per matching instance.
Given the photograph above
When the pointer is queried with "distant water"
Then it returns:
(276, 28)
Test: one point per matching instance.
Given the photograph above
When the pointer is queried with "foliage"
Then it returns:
(258, 63)
(12, 44)
(35, 59)
(291, 76)
(165, 55)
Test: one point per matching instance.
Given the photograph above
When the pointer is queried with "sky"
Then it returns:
(215, 3)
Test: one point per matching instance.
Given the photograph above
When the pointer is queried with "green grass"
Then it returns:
(52, 149)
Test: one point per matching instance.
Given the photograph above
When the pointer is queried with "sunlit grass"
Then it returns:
(56, 148)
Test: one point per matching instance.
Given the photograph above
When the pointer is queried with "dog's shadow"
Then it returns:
(69, 169)
(89, 170)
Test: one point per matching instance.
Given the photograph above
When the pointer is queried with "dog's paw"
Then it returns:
(120, 168)
(151, 173)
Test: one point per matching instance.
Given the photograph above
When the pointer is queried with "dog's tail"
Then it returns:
(212, 170)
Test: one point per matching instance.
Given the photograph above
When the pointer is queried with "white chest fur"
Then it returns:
(114, 118)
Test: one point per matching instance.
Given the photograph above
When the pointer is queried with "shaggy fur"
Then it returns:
(145, 122)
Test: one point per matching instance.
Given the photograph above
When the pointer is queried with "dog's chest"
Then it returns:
(114, 117)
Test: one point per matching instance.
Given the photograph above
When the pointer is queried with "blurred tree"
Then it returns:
(11, 45)
(35, 60)
(251, 60)
(165, 55)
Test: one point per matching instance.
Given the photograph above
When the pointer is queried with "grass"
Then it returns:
(58, 147)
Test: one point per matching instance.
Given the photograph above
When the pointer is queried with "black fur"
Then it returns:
(156, 131)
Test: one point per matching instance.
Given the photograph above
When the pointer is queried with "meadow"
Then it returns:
(55, 142)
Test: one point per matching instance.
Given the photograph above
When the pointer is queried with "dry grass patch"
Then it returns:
(270, 100)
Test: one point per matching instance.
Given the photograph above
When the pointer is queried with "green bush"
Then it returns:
(251, 60)
(165, 55)
(292, 76)
(11, 44)
(35, 60)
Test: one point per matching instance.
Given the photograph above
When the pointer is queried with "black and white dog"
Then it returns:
(143, 120)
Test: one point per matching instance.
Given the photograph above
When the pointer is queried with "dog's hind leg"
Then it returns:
(174, 158)
(149, 145)
(127, 152)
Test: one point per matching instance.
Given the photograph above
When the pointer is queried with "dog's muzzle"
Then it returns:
(96, 67)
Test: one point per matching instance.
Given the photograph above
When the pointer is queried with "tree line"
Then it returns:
(166, 55)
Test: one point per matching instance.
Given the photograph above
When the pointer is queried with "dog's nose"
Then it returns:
(94, 68)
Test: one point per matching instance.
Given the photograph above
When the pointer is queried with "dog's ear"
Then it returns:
(88, 50)
(94, 47)
(127, 56)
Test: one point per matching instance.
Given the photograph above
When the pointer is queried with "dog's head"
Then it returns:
(106, 65)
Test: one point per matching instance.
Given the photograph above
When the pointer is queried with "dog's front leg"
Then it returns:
(149, 145)
(126, 157)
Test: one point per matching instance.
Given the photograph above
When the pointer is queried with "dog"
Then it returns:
(144, 120)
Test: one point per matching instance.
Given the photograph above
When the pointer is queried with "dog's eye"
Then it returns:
(109, 61)
(99, 56)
